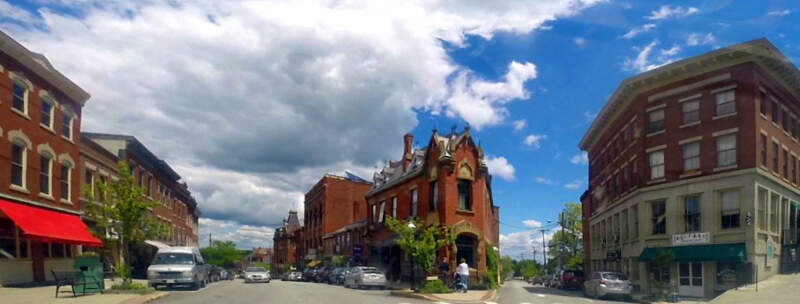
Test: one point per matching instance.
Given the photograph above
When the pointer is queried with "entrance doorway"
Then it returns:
(465, 246)
(690, 276)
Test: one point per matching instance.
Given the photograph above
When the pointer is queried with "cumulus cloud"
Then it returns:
(500, 167)
(779, 13)
(644, 61)
(573, 185)
(667, 11)
(534, 140)
(532, 223)
(245, 236)
(638, 30)
(252, 102)
(544, 180)
(580, 159)
(696, 39)
(524, 243)
(519, 125)
(579, 41)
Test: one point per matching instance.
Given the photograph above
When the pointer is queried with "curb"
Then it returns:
(490, 295)
(143, 299)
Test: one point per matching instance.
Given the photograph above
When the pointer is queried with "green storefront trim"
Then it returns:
(796, 205)
(699, 253)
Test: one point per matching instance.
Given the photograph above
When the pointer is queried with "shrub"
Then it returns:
(436, 286)
(130, 287)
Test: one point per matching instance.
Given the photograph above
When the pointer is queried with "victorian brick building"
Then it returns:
(697, 160)
(446, 182)
(284, 243)
(40, 119)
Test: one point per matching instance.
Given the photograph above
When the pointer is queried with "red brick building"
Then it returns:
(446, 182)
(40, 118)
(284, 242)
(697, 158)
(333, 203)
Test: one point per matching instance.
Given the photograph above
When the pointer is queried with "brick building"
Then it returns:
(697, 159)
(284, 242)
(97, 165)
(446, 182)
(333, 203)
(40, 118)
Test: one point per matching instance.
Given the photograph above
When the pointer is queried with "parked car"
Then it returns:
(309, 274)
(548, 280)
(215, 273)
(178, 266)
(342, 275)
(333, 274)
(294, 276)
(604, 283)
(570, 279)
(322, 274)
(361, 276)
(537, 280)
(256, 274)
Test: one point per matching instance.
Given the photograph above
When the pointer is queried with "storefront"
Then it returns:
(34, 241)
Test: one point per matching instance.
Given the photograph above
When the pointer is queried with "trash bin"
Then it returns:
(91, 269)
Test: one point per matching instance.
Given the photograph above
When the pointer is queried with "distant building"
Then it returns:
(446, 182)
(284, 242)
(259, 255)
(697, 160)
(97, 166)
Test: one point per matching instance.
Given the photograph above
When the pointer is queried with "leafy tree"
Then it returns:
(507, 267)
(338, 260)
(421, 243)
(566, 246)
(222, 254)
(530, 271)
(123, 209)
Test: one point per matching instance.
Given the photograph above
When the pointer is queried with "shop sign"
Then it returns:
(692, 238)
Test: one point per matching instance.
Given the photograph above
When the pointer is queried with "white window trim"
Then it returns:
(654, 108)
(725, 88)
(20, 137)
(17, 78)
(690, 140)
(725, 132)
(656, 148)
(690, 98)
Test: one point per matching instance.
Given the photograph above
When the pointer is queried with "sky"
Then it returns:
(252, 102)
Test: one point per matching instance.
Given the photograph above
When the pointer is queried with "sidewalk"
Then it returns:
(471, 296)
(779, 289)
(46, 295)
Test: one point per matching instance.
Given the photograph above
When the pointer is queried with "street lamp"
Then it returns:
(413, 270)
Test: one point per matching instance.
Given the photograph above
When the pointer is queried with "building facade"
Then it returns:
(97, 165)
(284, 243)
(40, 118)
(333, 203)
(446, 182)
(696, 162)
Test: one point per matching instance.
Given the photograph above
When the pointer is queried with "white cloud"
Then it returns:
(573, 185)
(239, 95)
(544, 180)
(519, 125)
(481, 102)
(696, 39)
(580, 159)
(245, 236)
(590, 116)
(671, 51)
(643, 61)
(579, 41)
(499, 166)
(524, 243)
(667, 11)
(779, 12)
(532, 223)
(534, 140)
(638, 30)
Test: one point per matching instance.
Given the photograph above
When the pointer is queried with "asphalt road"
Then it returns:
(237, 292)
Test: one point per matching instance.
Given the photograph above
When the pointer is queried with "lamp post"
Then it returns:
(413, 272)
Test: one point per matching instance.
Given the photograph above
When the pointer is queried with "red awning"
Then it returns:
(49, 226)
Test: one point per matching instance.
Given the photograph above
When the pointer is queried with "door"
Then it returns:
(37, 257)
(690, 276)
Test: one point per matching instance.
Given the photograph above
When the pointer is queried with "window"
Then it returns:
(780, 115)
(691, 157)
(394, 207)
(773, 213)
(434, 196)
(775, 115)
(45, 169)
(726, 150)
(791, 125)
(382, 212)
(66, 126)
(726, 103)
(762, 208)
(464, 195)
(47, 114)
(792, 167)
(18, 165)
(786, 120)
(414, 202)
(730, 209)
(635, 222)
(65, 181)
(20, 99)
(374, 213)
(149, 187)
(775, 150)
(656, 165)
(785, 163)
(691, 214)
(764, 150)
(691, 111)
(8, 239)
(89, 179)
(656, 122)
(762, 106)
(624, 223)
(659, 220)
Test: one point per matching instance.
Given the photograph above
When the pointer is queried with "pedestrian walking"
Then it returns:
(444, 271)
(463, 274)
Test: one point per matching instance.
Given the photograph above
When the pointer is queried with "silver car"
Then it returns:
(606, 283)
(178, 266)
(360, 277)
(256, 274)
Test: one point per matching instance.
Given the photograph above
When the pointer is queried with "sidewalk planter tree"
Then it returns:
(660, 265)
(125, 211)
(420, 243)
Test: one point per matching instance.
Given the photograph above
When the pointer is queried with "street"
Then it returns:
(236, 292)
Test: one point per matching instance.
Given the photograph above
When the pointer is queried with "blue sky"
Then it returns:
(253, 102)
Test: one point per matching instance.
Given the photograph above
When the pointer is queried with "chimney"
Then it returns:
(407, 140)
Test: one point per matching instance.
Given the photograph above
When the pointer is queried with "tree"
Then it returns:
(124, 210)
(222, 254)
(507, 267)
(566, 246)
(420, 243)
(530, 270)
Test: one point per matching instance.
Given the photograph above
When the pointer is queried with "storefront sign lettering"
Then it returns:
(691, 238)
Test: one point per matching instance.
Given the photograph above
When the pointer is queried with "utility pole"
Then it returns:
(563, 222)
(209, 239)
(544, 247)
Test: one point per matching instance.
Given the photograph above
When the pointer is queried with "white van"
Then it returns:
(175, 266)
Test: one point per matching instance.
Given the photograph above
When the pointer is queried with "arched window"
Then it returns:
(65, 178)
(20, 144)
(49, 106)
(20, 88)
(67, 121)
(46, 156)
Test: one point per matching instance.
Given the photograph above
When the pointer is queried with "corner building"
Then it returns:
(446, 182)
(697, 160)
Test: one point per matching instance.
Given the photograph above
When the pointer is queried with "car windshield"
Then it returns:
(173, 259)
(615, 276)
(255, 269)
(370, 270)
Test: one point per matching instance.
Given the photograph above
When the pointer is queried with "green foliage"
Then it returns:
(567, 244)
(492, 258)
(222, 254)
(338, 261)
(530, 270)
(122, 207)
(435, 286)
(507, 267)
(130, 287)
(421, 243)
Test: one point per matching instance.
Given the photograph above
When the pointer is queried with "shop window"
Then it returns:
(661, 274)
(58, 250)
(635, 222)
(773, 213)
(464, 195)
(730, 209)
(659, 219)
(46, 250)
(692, 213)
(8, 240)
